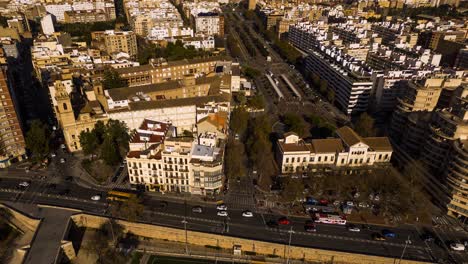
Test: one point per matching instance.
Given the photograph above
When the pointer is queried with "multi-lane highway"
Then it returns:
(175, 211)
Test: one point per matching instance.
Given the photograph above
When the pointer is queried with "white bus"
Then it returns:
(329, 219)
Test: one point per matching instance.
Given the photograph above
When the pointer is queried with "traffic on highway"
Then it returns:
(416, 244)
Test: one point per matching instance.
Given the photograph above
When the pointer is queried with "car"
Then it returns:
(62, 146)
(221, 207)
(62, 160)
(96, 197)
(272, 224)
(53, 155)
(222, 213)
(427, 237)
(349, 203)
(309, 226)
(247, 214)
(197, 209)
(284, 221)
(353, 228)
(457, 246)
(388, 234)
(24, 184)
(378, 237)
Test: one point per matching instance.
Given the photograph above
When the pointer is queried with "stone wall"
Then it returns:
(260, 247)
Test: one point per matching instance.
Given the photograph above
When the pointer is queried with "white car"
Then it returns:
(62, 146)
(354, 229)
(247, 214)
(62, 160)
(221, 207)
(53, 155)
(349, 203)
(457, 246)
(24, 184)
(222, 213)
(96, 197)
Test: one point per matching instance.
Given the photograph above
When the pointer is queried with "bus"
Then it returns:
(333, 219)
(119, 196)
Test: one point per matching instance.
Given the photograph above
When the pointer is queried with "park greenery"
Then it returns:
(112, 80)
(233, 46)
(250, 72)
(320, 128)
(365, 126)
(444, 11)
(321, 85)
(37, 140)
(106, 144)
(173, 51)
(294, 123)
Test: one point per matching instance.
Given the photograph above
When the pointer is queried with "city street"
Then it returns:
(327, 236)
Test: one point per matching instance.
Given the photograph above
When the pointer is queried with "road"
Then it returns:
(327, 236)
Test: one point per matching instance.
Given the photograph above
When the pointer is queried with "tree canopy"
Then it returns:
(239, 120)
(113, 80)
(37, 140)
(364, 125)
(294, 123)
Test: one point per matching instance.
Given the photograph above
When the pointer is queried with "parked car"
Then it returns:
(457, 246)
(221, 207)
(353, 228)
(247, 214)
(310, 226)
(53, 155)
(284, 221)
(378, 237)
(96, 197)
(62, 160)
(222, 213)
(197, 209)
(24, 184)
(388, 234)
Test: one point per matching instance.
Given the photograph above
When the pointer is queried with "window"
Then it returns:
(311, 159)
(287, 160)
(319, 158)
(380, 156)
(386, 156)
(325, 158)
(304, 159)
(292, 160)
(65, 106)
(342, 160)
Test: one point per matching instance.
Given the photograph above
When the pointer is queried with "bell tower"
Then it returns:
(63, 108)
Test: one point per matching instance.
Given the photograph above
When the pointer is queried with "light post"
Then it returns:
(185, 226)
(408, 241)
(289, 243)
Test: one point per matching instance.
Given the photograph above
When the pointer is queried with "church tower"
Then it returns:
(63, 109)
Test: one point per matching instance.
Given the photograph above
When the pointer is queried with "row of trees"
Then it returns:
(322, 86)
(247, 42)
(256, 41)
(233, 46)
(108, 141)
(37, 140)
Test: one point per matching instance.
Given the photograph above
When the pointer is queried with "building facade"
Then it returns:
(348, 150)
(116, 41)
(12, 143)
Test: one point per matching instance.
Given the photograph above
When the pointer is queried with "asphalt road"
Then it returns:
(327, 236)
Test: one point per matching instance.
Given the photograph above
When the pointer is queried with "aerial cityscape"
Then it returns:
(233, 131)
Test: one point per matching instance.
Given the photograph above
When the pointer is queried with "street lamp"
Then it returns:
(408, 241)
(185, 226)
(289, 244)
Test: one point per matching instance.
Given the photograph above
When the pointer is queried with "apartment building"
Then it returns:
(294, 155)
(12, 143)
(162, 161)
(209, 23)
(86, 16)
(159, 71)
(113, 42)
(348, 78)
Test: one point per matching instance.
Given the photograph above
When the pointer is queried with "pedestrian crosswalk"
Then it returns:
(446, 222)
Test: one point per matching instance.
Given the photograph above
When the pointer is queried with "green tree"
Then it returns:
(323, 87)
(292, 190)
(37, 140)
(251, 72)
(364, 125)
(331, 95)
(99, 130)
(239, 120)
(89, 142)
(234, 166)
(240, 98)
(256, 102)
(113, 80)
(132, 209)
(118, 133)
(110, 152)
(294, 123)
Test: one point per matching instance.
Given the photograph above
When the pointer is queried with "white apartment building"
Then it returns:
(348, 150)
(209, 24)
(161, 33)
(162, 161)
